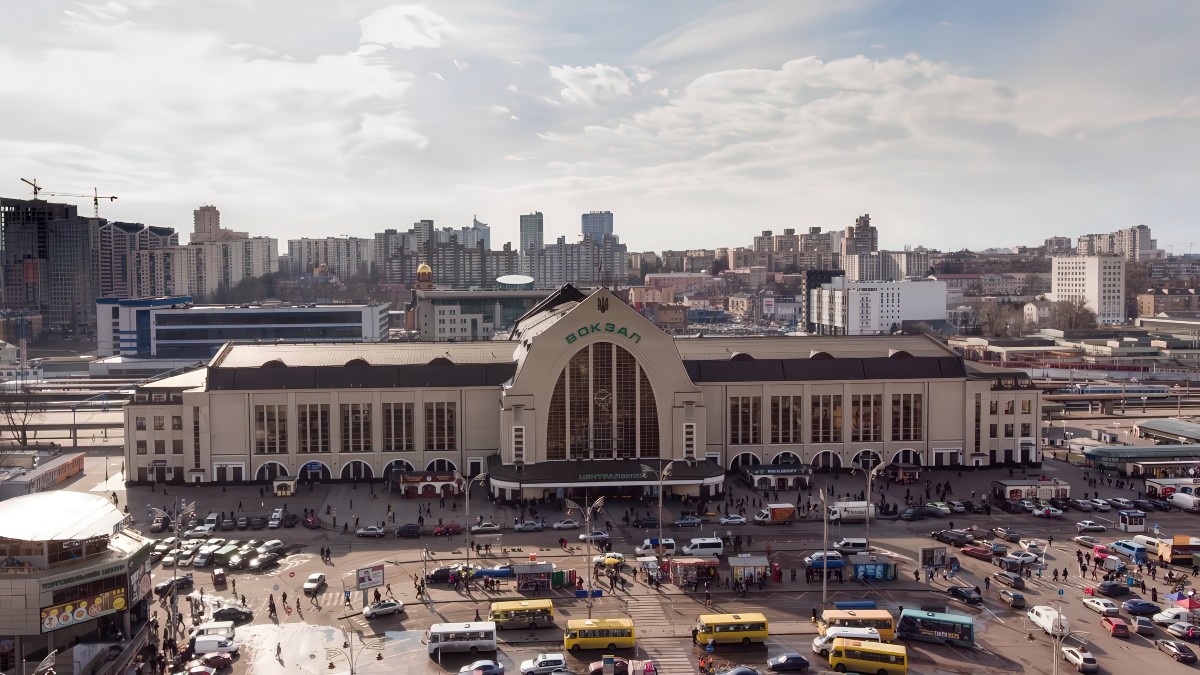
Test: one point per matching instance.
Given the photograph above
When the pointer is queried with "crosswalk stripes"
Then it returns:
(668, 655)
(647, 613)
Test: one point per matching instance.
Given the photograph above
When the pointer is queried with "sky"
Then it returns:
(697, 123)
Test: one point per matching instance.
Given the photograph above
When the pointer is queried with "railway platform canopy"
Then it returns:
(1170, 431)
(1148, 461)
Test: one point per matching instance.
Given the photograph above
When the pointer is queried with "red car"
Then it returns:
(448, 528)
(978, 552)
(216, 660)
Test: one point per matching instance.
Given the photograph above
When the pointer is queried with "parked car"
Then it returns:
(485, 528)
(1006, 534)
(1027, 504)
(965, 594)
(234, 614)
(1102, 606)
(276, 520)
(1090, 526)
(1060, 503)
(243, 523)
(263, 561)
(271, 546)
(1115, 626)
(733, 519)
(1031, 546)
(958, 507)
(1145, 505)
(1082, 659)
(228, 523)
(409, 530)
(911, 514)
(257, 522)
(1080, 505)
(1120, 503)
(1100, 505)
(645, 521)
(1183, 629)
(978, 552)
(1047, 512)
(527, 526)
(441, 575)
(791, 662)
(1012, 579)
(572, 524)
(952, 537)
(595, 536)
(1025, 557)
(448, 528)
(368, 531)
(1138, 607)
(1141, 625)
(1012, 598)
(687, 521)
(940, 506)
(543, 664)
(1112, 588)
(1162, 504)
(1176, 650)
(484, 667)
(384, 608)
(160, 524)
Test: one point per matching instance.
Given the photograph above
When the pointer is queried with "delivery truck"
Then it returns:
(776, 514)
(851, 512)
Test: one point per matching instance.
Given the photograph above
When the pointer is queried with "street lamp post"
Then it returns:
(181, 510)
(824, 549)
(662, 474)
(480, 478)
(350, 654)
(46, 666)
(871, 473)
(587, 542)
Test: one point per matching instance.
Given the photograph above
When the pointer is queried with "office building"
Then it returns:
(585, 393)
(174, 328)
(532, 240)
(344, 257)
(597, 224)
(844, 307)
(72, 273)
(438, 315)
(1096, 280)
(23, 236)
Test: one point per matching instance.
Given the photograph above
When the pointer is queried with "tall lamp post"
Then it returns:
(871, 473)
(824, 549)
(350, 653)
(572, 506)
(181, 510)
(663, 473)
(479, 478)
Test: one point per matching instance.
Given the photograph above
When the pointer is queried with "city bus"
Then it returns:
(522, 614)
(742, 628)
(599, 634)
(868, 657)
(879, 619)
(954, 629)
(473, 637)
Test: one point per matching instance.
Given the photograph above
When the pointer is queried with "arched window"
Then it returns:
(602, 407)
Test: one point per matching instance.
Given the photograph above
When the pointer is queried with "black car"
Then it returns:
(234, 614)
(264, 561)
(1112, 588)
(1161, 504)
(179, 583)
(290, 519)
(1059, 503)
(442, 574)
(409, 530)
(965, 594)
(977, 507)
(1011, 579)
(646, 521)
(229, 523)
(790, 662)
(1177, 650)
(257, 522)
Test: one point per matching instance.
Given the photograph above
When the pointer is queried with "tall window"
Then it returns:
(398, 427)
(826, 418)
(518, 444)
(1026, 407)
(744, 415)
(441, 425)
(786, 416)
(993, 407)
(196, 437)
(1009, 406)
(689, 439)
(907, 418)
(866, 418)
(356, 427)
(978, 421)
(313, 423)
(270, 429)
(602, 407)
(159, 423)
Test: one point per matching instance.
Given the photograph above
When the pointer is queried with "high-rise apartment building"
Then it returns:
(24, 240)
(454, 265)
(843, 307)
(343, 256)
(886, 265)
(206, 226)
(73, 278)
(596, 224)
(114, 249)
(591, 261)
(862, 237)
(1131, 243)
(1097, 280)
(532, 241)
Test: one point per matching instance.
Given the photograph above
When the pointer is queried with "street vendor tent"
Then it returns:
(1188, 603)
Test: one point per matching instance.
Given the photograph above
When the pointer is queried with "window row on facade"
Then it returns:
(314, 427)
(863, 421)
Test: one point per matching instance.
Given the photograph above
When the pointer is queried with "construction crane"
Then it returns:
(95, 199)
(36, 187)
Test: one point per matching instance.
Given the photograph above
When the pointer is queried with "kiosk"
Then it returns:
(1132, 521)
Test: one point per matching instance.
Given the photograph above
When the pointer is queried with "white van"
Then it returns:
(850, 545)
(1185, 502)
(213, 520)
(823, 643)
(647, 547)
(207, 644)
(1151, 543)
(218, 628)
(705, 546)
(1049, 620)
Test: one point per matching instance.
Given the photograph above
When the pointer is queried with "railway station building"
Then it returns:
(585, 394)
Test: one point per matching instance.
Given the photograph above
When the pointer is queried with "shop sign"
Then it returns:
(72, 613)
(612, 476)
(596, 328)
(85, 576)
(421, 477)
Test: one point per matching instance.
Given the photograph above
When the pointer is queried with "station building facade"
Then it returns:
(586, 393)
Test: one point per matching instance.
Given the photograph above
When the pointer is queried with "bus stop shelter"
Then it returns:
(749, 568)
(533, 577)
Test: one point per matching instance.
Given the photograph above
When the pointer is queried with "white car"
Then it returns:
(383, 608)
(485, 528)
(1025, 557)
(528, 526)
(1083, 660)
(1102, 606)
(567, 524)
(940, 506)
(595, 536)
(1031, 546)
(314, 583)
(276, 519)
(543, 664)
(166, 544)
(370, 531)
(1090, 526)
(1121, 503)
(818, 557)
(1047, 512)
(733, 519)
(1100, 505)
(596, 560)
(958, 507)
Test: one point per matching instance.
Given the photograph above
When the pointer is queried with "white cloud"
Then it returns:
(406, 27)
(512, 88)
(461, 65)
(589, 85)
(437, 76)
(499, 110)
(642, 74)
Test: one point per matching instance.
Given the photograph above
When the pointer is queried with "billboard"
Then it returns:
(72, 613)
(369, 577)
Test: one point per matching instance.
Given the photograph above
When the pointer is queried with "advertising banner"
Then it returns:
(369, 577)
(71, 613)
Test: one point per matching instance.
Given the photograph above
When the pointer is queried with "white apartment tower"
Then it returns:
(1098, 280)
(532, 241)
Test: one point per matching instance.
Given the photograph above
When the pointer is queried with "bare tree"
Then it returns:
(1071, 315)
(999, 318)
(20, 413)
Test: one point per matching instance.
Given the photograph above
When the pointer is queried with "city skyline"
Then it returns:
(698, 124)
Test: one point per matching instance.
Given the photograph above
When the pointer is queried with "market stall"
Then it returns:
(749, 568)
(688, 571)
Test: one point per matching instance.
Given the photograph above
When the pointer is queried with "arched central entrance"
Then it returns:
(866, 459)
(270, 471)
(357, 470)
(826, 460)
(744, 458)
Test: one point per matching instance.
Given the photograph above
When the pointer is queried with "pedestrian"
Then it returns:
(987, 583)
(477, 617)
(279, 651)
